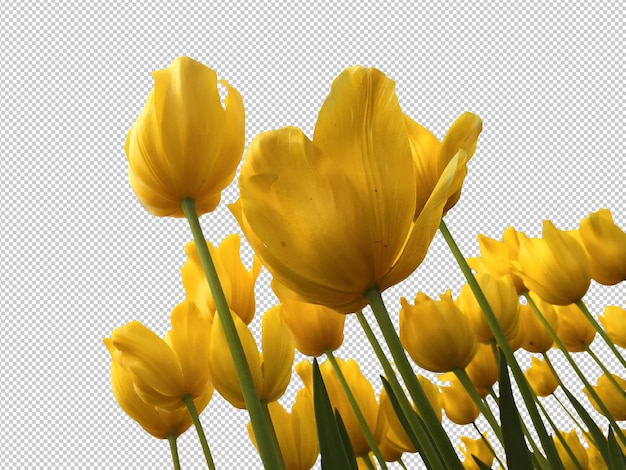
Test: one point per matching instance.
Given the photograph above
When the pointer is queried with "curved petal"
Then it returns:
(278, 354)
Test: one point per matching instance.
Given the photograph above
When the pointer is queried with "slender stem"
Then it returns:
(488, 444)
(608, 374)
(483, 408)
(518, 374)
(580, 304)
(356, 408)
(196, 422)
(569, 413)
(368, 461)
(271, 431)
(174, 450)
(439, 436)
(574, 366)
(266, 450)
(401, 463)
(416, 426)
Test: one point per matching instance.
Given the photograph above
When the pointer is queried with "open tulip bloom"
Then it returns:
(337, 219)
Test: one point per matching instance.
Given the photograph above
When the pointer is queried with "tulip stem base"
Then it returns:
(583, 308)
(193, 412)
(270, 459)
(356, 408)
(492, 321)
(174, 451)
(433, 426)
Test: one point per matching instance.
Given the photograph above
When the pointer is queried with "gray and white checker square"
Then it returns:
(81, 257)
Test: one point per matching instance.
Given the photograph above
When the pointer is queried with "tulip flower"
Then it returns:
(503, 299)
(573, 442)
(483, 369)
(605, 244)
(314, 328)
(297, 443)
(436, 334)
(535, 337)
(614, 323)
(360, 388)
(495, 257)
(476, 447)
(164, 371)
(336, 216)
(237, 282)
(541, 378)
(271, 369)
(185, 143)
(575, 330)
(457, 403)
(555, 267)
(614, 401)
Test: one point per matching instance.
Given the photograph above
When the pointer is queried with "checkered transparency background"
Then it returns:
(80, 256)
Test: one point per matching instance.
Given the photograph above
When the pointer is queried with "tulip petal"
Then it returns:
(278, 354)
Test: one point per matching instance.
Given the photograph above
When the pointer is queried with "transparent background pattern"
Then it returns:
(81, 257)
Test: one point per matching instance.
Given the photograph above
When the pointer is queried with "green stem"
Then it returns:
(569, 413)
(174, 451)
(580, 304)
(608, 374)
(416, 426)
(492, 321)
(439, 436)
(574, 366)
(355, 407)
(266, 449)
(367, 461)
(488, 444)
(198, 425)
(482, 407)
(271, 431)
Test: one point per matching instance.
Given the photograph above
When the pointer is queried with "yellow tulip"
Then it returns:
(360, 388)
(541, 378)
(535, 337)
(605, 243)
(614, 401)
(495, 257)
(596, 461)
(573, 442)
(436, 334)
(575, 330)
(457, 403)
(165, 371)
(156, 421)
(335, 216)
(503, 299)
(185, 143)
(477, 447)
(237, 282)
(483, 369)
(614, 323)
(555, 267)
(271, 369)
(313, 328)
(294, 431)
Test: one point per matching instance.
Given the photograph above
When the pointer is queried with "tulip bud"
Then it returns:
(535, 337)
(483, 369)
(614, 323)
(613, 399)
(457, 403)
(573, 442)
(575, 330)
(541, 378)
(478, 448)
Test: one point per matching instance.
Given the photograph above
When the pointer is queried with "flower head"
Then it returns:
(476, 447)
(483, 369)
(575, 330)
(613, 399)
(541, 378)
(614, 323)
(337, 215)
(185, 144)
(457, 403)
(535, 337)
(573, 442)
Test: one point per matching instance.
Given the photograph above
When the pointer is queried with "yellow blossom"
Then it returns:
(483, 369)
(555, 267)
(185, 143)
(575, 330)
(237, 282)
(165, 371)
(436, 334)
(541, 378)
(614, 401)
(271, 369)
(457, 403)
(336, 216)
(295, 432)
(614, 323)
(503, 300)
(360, 388)
(314, 328)
(535, 337)
(573, 442)
(477, 447)
(605, 243)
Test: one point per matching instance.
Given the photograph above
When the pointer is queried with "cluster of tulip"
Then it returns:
(336, 220)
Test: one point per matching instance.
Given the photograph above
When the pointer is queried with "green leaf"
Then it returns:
(332, 447)
(517, 454)
(345, 438)
(616, 461)
(482, 465)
